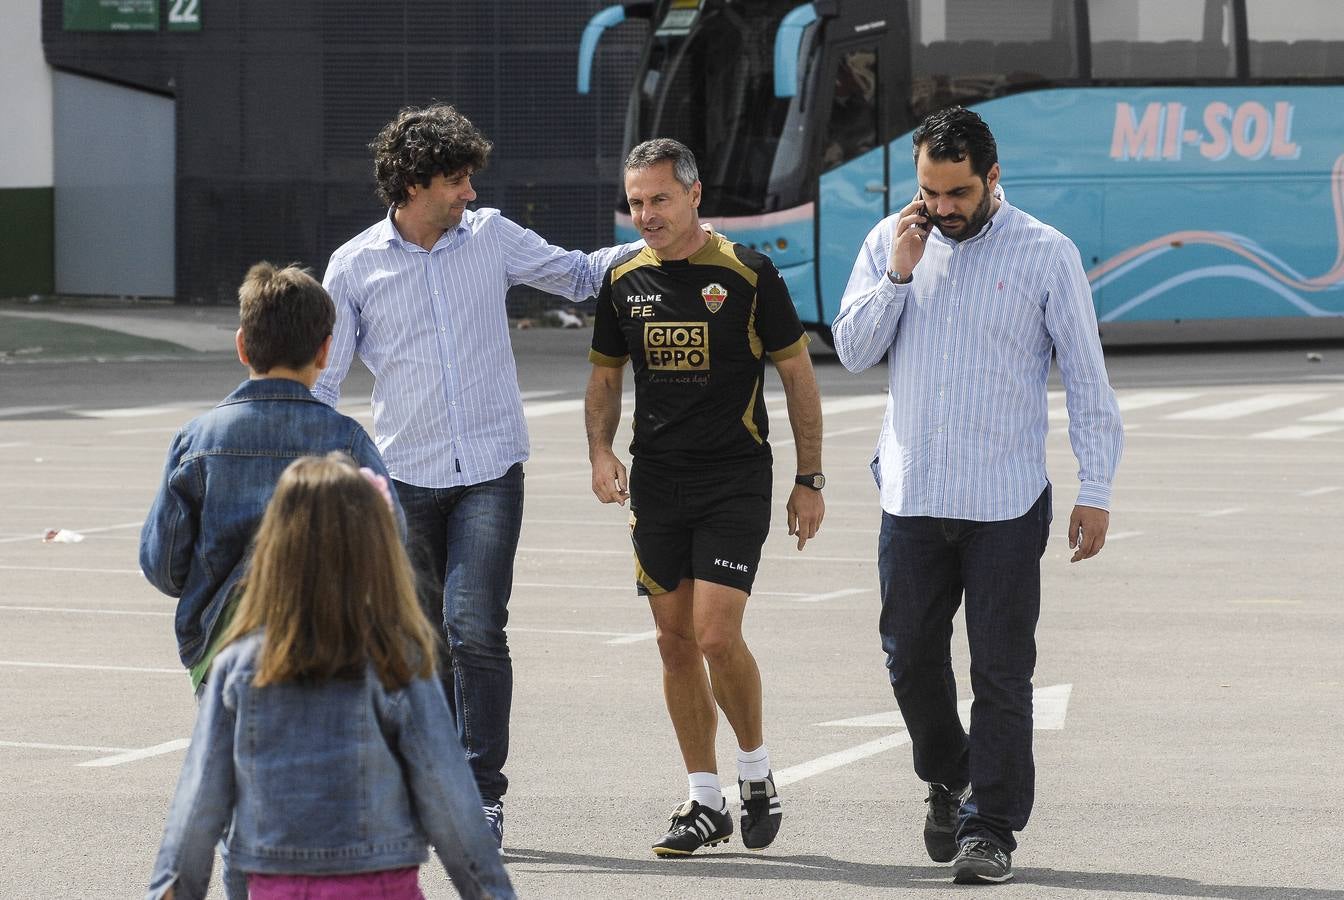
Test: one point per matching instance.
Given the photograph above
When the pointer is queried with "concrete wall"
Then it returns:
(115, 176)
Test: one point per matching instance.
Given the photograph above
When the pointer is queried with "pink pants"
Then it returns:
(389, 884)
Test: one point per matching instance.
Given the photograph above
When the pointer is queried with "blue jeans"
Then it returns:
(462, 541)
(925, 565)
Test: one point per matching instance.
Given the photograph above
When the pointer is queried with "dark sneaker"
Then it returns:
(693, 826)
(940, 822)
(761, 811)
(980, 862)
(494, 817)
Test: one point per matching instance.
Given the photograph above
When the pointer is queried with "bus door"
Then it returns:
(852, 160)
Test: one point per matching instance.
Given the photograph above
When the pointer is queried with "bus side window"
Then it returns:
(1307, 44)
(1161, 41)
(852, 129)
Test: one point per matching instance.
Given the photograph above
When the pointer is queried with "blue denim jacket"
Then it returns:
(221, 471)
(323, 779)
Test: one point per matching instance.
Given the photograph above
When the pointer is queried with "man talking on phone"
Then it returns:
(968, 297)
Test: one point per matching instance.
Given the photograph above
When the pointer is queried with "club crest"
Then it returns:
(714, 295)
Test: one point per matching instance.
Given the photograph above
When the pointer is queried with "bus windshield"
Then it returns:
(712, 88)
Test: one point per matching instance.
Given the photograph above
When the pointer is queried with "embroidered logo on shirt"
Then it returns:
(714, 295)
(1000, 285)
(676, 346)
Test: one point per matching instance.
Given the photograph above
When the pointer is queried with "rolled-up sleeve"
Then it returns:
(344, 334)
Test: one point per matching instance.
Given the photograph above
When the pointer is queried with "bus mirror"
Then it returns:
(592, 35)
(788, 42)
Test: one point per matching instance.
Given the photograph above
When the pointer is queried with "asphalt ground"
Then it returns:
(1192, 674)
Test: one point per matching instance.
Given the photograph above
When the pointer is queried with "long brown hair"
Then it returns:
(330, 583)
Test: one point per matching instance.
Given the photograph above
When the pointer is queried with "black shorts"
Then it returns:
(706, 523)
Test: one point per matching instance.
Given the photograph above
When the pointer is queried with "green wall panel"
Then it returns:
(27, 226)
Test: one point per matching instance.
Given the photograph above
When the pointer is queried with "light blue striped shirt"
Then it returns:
(431, 326)
(968, 344)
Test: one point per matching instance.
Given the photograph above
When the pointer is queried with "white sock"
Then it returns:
(753, 765)
(705, 790)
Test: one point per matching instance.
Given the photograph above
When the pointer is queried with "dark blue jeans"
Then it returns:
(925, 565)
(462, 541)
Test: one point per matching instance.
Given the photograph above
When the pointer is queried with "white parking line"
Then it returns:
(514, 628)
(832, 595)
(71, 569)
(133, 755)
(840, 758)
(1146, 399)
(76, 748)
(852, 404)
(101, 528)
(590, 551)
(1334, 415)
(1050, 709)
(6, 411)
(27, 664)
(1296, 432)
(634, 638)
(1235, 409)
(572, 473)
(87, 612)
(1316, 492)
(162, 429)
(1213, 514)
(1050, 706)
(552, 586)
(129, 412)
(552, 408)
(630, 589)
(830, 433)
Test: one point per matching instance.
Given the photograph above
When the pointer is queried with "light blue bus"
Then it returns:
(1192, 149)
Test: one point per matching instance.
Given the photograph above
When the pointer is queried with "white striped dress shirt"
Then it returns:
(968, 344)
(431, 326)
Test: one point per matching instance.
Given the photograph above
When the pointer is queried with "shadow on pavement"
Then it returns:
(804, 868)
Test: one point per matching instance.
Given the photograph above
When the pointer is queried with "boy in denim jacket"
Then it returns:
(222, 466)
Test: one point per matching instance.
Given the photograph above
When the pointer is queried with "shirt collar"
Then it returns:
(269, 389)
(387, 233)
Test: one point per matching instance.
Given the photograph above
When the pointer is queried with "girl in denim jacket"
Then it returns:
(324, 754)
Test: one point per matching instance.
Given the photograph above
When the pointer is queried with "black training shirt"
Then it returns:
(696, 331)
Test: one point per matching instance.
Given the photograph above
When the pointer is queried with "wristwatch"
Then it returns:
(816, 481)
(897, 278)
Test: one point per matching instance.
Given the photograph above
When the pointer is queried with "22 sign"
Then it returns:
(184, 15)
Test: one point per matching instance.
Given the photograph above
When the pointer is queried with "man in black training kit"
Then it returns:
(695, 314)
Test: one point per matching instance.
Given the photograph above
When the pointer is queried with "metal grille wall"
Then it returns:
(277, 103)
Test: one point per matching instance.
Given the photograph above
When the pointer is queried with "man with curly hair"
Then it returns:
(420, 296)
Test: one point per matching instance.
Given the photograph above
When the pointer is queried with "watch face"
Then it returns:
(816, 481)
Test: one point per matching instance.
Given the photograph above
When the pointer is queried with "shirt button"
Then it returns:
(443, 329)
(944, 356)
(949, 319)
